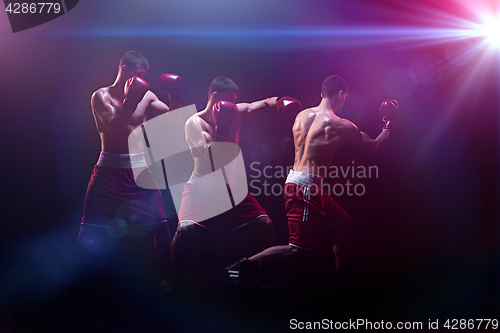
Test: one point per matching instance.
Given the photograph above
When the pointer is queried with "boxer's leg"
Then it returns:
(193, 254)
(331, 254)
(192, 245)
(162, 243)
(249, 238)
(335, 231)
(277, 264)
(97, 253)
(144, 215)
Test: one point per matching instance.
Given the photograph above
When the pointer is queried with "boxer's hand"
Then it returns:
(172, 85)
(223, 113)
(134, 90)
(288, 106)
(389, 110)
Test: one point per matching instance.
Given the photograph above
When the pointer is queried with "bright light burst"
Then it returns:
(483, 21)
(491, 29)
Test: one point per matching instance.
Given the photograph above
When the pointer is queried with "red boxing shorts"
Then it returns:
(113, 198)
(196, 201)
(308, 208)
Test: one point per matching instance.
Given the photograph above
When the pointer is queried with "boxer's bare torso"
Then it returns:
(113, 123)
(317, 136)
(107, 108)
(318, 133)
(203, 122)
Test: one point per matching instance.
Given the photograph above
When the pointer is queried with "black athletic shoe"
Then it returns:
(237, 272)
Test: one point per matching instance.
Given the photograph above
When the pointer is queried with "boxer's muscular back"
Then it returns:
(106, 107)
(317, 136)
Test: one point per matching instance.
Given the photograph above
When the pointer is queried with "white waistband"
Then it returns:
(122, 161)
(303, 178)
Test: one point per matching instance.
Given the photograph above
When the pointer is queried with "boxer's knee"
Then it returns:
(188, 229)
(297, 253)
(260, 229)
(265, 229)
(264, 223)
(192, 243)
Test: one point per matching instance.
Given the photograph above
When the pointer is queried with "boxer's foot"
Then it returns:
(246, 275)
(236, 272)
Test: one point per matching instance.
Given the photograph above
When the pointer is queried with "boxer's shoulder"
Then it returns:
(309, 112)
(198, 120)
(305, 118)
(101, 94)
(196, 125)
(101, 99)
(194, 121)
(302, 115)
(105, 96)
(346, 124)
(341, 126)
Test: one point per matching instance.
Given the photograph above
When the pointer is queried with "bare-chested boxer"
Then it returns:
(124, 226)
(245, 228)
(312, 213)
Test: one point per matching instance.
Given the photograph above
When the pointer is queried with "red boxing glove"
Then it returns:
(134, 90)
(224, 113)
(389, 110)
(172, 85)
(288, 106)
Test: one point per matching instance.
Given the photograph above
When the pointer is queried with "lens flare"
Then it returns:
(491, 29)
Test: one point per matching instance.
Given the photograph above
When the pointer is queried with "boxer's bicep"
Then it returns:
(156, 108)
(249, 108)
(360, 139)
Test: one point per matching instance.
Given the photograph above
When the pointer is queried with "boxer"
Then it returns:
(312, 214)
(213, 135)
(124, 226)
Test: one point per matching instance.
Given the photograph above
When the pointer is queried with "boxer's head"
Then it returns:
(223, 89)
(133, 64)
(335, 88)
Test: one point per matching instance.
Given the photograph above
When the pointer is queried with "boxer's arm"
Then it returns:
(257, 106)
(364, 142)
(175, 105)
(217, 153)
(156, 106)
(116, 121)
(160, 107)
(195, 137)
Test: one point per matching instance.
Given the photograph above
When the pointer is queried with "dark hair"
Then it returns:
(222, 84)
(132, 58)
(332, 85)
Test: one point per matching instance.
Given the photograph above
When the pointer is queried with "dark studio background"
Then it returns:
(425, 232)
